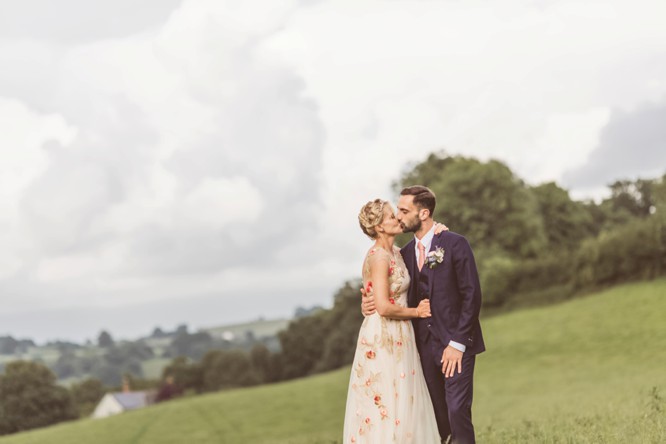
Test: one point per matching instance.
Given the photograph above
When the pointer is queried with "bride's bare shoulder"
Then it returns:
(375, 255)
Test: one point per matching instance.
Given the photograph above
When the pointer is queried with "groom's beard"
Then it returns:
(412, 227)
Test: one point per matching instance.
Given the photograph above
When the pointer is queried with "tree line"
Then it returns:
(536, 245)
(533, 244)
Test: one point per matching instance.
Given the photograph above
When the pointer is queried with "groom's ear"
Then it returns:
(424, 213)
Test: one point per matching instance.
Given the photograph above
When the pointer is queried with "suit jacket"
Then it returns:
(455, 295)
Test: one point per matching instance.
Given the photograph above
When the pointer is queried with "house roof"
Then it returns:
(131, 400)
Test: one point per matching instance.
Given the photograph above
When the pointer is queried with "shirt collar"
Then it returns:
(427, 239)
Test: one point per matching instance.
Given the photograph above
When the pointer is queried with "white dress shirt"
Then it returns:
(427, 242)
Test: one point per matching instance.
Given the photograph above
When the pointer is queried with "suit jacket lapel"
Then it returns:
(431, 271)
(409, 256)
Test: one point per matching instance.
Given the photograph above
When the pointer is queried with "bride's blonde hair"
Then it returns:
(371, 215)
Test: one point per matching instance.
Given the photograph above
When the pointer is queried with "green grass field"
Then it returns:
(591, 370)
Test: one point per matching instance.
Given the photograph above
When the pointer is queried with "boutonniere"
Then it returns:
(435, 257)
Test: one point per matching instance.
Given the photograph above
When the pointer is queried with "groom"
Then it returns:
(442, 268)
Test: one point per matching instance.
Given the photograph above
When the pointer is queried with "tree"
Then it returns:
(635, 198)
(566, 222)
(105, 340)
(223, 369)
(30, 398)
(138, 350)
(345, 319)
(260, 357)
(87, 394)
(187, 375)
(302, 344)
(158, 333)
(66, 366)
(109, 374)
(628, 202)
(193, 345)
(301, 312)
(136, 383)
(24, 345)
(8, 345)
(485, 201)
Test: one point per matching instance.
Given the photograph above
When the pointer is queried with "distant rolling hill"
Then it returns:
(590, 370)
(260, 328)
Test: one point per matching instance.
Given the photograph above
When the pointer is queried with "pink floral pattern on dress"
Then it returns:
(383, 405)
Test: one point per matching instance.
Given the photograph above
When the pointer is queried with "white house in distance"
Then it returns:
(118, 402)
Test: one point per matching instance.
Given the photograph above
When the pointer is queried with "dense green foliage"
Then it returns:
(87, 394)
(323, 341)
(104, 339)
(535, 245)
(484, 201)
(586, 371)
(30, 398)
(227, 369)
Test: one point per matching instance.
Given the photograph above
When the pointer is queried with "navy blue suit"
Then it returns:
(455, 301)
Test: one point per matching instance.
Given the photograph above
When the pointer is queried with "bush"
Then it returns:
(633, 251)
(30, 398)
(187, 375)
(223, 369)
(87, 394)
(498, 277)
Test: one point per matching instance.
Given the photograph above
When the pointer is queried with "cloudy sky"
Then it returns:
(204, 161)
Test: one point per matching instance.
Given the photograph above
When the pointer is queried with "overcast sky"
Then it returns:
(203, 162)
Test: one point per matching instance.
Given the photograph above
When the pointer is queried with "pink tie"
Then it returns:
(421, 255)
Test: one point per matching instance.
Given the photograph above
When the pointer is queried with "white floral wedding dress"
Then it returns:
(388, 401)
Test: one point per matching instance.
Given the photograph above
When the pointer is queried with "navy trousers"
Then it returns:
(451, 397)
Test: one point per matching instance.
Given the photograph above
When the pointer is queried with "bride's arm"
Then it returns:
(379, 275)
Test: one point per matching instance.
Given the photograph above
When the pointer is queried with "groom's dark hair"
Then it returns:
(423, 197)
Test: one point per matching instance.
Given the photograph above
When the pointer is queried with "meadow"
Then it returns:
(589, 370)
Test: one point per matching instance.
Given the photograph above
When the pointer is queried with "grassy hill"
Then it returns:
(587, 371)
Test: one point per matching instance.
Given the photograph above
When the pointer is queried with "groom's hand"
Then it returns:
(451, 360)
(367, 303)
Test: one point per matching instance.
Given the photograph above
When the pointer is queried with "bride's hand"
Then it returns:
(440, 227)
(367, 301)
(423, 310)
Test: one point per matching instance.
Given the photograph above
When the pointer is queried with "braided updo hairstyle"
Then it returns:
(371, 215)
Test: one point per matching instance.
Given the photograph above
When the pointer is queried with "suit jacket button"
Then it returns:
(429, 325)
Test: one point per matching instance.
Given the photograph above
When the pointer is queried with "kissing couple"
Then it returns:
(413, 371)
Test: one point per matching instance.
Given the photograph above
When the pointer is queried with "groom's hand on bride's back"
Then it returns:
(367, 303)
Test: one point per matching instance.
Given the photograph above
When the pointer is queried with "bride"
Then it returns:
(387, 401)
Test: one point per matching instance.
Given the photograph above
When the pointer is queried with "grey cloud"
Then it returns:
(27, 72)
(83, 181)
(269, 134)
(75, 21)
(132, 321)
(633, 144)
(35, 35)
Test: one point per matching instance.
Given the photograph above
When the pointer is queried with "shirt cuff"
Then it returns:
(458, 346)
